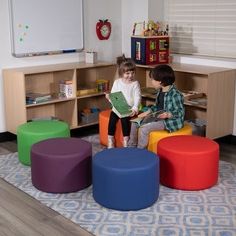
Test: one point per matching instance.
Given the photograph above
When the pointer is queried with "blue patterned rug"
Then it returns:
(176, 213)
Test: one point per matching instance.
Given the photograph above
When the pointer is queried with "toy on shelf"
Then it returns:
(66, 88)
(150, 50)
(150, 28)
(150, 43)
(102, 85)
(89, 115)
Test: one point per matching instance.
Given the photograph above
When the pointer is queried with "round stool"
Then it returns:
(188, 162)
(103, 129)
(156, 136)
(125, 178)
(35, 131)
(61, 165)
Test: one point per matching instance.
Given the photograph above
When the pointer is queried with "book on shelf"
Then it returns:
(198, 101)
(34, 98)
(151, 117)
(149, 92)
(119, 104)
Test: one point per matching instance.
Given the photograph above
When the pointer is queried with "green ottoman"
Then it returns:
(35, 131)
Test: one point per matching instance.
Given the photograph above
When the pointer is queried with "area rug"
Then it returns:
(176, 213)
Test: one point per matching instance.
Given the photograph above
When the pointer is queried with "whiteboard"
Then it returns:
(40, 27)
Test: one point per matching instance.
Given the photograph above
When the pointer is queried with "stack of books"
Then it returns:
(34, 98)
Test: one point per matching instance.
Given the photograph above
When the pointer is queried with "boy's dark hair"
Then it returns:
(125, 64)
(164, 74)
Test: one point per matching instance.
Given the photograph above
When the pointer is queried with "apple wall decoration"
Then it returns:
(103, 29)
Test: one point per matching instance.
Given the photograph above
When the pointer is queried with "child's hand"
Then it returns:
(107, 96)
(165, 115)
(143, 114)
(133, 113)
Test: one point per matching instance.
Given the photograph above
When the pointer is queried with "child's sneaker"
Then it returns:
(110, 142)
(125, 141)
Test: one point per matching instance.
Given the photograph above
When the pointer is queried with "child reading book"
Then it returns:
(168, 99)
(130, 88)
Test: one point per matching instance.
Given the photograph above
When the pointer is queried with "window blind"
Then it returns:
(203, 27)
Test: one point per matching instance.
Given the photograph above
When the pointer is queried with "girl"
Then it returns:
(127, 84)
(168, 99)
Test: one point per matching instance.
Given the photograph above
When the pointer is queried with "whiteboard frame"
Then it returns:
(48, 52)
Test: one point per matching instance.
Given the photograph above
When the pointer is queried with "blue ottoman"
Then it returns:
(125, 178)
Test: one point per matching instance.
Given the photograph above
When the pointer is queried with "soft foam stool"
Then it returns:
(156, 136)
(35, 131)
(188, 162)
(125, 178)
(103, 129)
(61, 165)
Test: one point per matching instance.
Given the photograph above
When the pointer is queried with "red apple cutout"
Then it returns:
(103, 29)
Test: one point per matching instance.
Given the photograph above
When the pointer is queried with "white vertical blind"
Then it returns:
(202, 27)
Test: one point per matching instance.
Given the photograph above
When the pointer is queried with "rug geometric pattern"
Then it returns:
(176, 213)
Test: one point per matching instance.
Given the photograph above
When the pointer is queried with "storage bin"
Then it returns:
(89, 117)
(198, 126)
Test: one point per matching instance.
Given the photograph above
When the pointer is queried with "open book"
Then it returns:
(119, 104)
(152, 117)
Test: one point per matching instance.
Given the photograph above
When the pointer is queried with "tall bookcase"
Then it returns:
(46, 79)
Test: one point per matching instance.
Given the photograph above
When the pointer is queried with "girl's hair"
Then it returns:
(164, 74)
(125, 64)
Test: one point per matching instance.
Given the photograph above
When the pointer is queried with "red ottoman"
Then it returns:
(188, 162)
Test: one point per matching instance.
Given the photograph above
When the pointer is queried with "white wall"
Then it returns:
(134, 11)
(156, 10)
(107, 50)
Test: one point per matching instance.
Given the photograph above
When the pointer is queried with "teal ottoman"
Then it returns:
(35, 131)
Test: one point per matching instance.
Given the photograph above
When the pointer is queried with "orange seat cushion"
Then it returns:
(188, 162)
(103, 129)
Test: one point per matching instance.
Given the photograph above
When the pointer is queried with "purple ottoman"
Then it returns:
(61, 165)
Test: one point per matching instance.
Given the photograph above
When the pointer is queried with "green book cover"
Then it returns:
(119, 104)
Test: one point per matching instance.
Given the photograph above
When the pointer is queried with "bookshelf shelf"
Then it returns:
(91, 95)
(57, 100)
(81, 125)
(46, 80)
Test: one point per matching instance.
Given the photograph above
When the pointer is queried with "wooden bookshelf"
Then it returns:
(46, 79)
(218, 84)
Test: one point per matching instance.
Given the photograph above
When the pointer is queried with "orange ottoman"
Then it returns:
(188, 162)
(103, 129)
